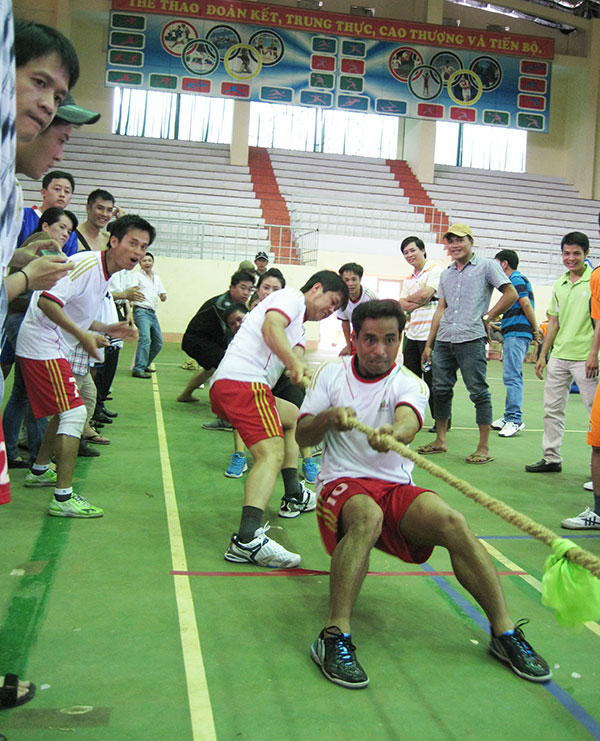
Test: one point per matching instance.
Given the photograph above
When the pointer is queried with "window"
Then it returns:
(485, 147)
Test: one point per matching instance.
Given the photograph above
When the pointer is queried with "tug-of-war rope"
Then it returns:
(570, 584)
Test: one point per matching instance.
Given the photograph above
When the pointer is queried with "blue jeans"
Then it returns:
(513, 356)
(18, 405)
(150, 341)
(470, 358)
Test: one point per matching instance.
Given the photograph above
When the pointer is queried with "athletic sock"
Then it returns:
(249, 523)
(291, 484)
(39, 470)
(61, 495)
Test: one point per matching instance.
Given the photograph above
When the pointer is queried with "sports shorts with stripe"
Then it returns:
(392, 498)
(249, 406)
(50, 386)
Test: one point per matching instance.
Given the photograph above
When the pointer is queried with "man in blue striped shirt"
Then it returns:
(519, 329)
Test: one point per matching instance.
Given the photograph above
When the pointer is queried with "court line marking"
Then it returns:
(313, 572)
(201, 715)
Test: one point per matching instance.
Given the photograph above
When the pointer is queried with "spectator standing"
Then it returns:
(145, 318)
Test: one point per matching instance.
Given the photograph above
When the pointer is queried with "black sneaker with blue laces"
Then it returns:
(518, 653)
(334, 653)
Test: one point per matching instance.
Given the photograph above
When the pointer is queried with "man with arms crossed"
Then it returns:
(56, 321)
(367, 498)
(271, 340)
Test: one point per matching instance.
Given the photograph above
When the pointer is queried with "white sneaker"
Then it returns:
(587, 520)
(498, 424)
(261, 551)
(589, 486)
(510, 429)
(291, 508)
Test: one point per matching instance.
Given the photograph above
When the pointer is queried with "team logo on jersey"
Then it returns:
(384, 406)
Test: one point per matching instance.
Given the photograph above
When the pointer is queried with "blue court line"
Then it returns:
(530, 537)
(570, 705)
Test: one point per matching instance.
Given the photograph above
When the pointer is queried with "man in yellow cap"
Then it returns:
(460, 329)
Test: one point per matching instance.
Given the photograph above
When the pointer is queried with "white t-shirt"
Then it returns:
(150, 285)
(421, 318)
(248, 358)
(366, 294)
(347, 454)
(80, 294)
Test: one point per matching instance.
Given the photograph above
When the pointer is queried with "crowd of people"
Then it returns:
(72, 299)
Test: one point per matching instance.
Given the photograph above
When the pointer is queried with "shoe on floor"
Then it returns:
(498, 424)
(310, 470)
(542, 466)
(141, 374)
(588, 486)
(85, 451)
(104, 410)
(519, 654)
(587, 520)
(261, 551)
(102, 419)
(291, 508)
(33, 480)
(76, 506)
(17, 462)
(217, 424)
(510, 429)
(237, 467)
(335, 654)
(9, 692)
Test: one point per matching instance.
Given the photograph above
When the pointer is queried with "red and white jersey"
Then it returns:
(80, 294)
(248, 358)
(347, 454)
(366, 294)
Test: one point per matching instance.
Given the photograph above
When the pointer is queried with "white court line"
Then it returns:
(499, 556)
(201, 716)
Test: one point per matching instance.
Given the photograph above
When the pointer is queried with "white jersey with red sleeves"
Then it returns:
(366, 294)
(347, 454)
(248, 358)
(80, 294)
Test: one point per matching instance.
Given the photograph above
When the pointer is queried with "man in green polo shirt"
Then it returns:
(569, 335)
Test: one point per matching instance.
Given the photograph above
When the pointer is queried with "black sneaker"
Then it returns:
(335, 654)
(523, 660)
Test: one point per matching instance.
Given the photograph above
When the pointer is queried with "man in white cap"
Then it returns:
(460, 325)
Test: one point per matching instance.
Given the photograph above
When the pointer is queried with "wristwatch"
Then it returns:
(486, 317)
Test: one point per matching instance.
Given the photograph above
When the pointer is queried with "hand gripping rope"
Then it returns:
(570, 584)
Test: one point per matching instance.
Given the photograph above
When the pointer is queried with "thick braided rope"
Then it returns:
(577, 555)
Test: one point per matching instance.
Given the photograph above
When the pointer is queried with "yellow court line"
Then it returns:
(535, 583)
(203, 727)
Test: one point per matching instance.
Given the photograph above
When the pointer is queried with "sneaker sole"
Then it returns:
(232, 558)
(505, 660)
(236, 475)
(579, 527)
(349, 685)
(75, 516)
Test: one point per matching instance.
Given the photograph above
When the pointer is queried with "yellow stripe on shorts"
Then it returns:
(266, 413)
(58, 385)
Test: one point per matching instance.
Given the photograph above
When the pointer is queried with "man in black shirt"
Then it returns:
(207, 335)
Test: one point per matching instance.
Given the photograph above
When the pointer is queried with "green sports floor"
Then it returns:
(134, 627)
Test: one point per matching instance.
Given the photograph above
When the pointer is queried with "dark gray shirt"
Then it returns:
(467, 293)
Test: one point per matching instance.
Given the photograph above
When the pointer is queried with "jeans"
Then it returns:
(470, 358)
(18, 405)
(513, 357)
(150, 341)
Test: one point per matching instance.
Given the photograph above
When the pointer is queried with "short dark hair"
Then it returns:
(52, 215)
(378, 309)
(510, 256)
(241, 276)
(330, 281)
(125, 224)
(233, 308)
(99, 195)
(351, 267)
(409, 240)
(271, 273)
(34, 40)
(578, 238)
(58, 175)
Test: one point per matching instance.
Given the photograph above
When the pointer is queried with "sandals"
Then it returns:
(96, 440)
(430, 449)
(478, 458)
(9, 692)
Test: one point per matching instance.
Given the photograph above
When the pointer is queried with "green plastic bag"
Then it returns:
(569, 588)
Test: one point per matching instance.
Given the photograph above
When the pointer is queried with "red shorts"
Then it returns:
(4, 480)
(250, 407)
(593, 436)
(50, 386)
(393, 499)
